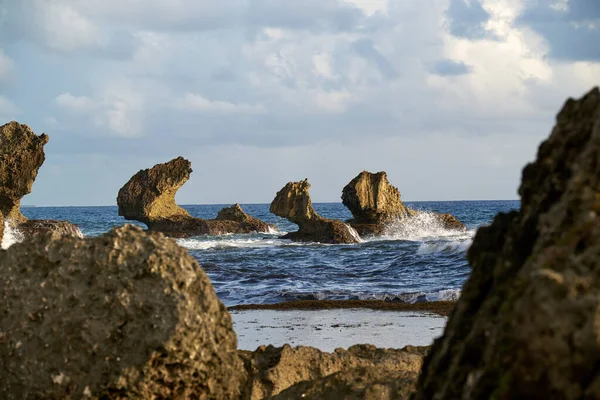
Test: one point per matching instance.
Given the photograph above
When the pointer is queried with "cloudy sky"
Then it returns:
(450, 97)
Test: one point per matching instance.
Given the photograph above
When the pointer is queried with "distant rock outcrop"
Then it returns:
(129, 314)
(21, 156)
(149, 197)
(299, 370)
(293, 202)
(526, 325)
(374, 202)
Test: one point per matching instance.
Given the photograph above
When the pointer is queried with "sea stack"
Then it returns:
(149, 197)
(293, 202)
(526, 324)
(21, 156)
(374, 203)
(128, 314)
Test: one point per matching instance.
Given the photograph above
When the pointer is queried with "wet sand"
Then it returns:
(328, 329)
(438, 307)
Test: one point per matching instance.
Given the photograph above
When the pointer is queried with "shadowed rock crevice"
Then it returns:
(293, 203)
(149, 197)
(526, 324)
(375, 204)
(21, 156)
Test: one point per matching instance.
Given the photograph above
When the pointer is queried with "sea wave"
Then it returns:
(11, 236)
(424, 226)
(452, 246)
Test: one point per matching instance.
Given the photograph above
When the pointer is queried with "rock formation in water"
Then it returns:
(149, 197)
(526, 324)
(374, 203)
(293, 202)
(299, 370)
(129, 314)
(21, 156)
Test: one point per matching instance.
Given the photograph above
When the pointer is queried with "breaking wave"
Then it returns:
(413, 297)
(11, 236)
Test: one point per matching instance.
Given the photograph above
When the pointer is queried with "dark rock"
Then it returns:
(149, 197)
(235, 213)
(34, 227)
(21, 156)
(275, 369)
(293, 202)
(375, 203)
(526, 324)
(128, 314)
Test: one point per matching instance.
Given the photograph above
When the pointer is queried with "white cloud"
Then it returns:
(196, 102)
(7, 66)
(75, 103)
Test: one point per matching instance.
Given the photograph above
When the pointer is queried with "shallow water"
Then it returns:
(411, 263)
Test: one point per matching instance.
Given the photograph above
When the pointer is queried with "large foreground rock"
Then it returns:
(272, 370)
(527, 322)
(21, 156)
(149, 197)
(293, 202)
(125, 315)
(375, 203)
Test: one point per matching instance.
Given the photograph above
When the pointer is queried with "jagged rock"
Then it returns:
(149, 197)
(21, 156)
(35, 227)
(363, 383)
(293, 202)
(235, 213)
(129, 314)
(526, 325)
(275, 369)
(374, 203)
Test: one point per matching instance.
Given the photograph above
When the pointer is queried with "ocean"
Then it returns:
(411, 263)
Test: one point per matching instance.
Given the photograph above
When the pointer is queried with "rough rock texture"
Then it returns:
(149, 197)
(293, 202)
(129, 314)
(363, 383)
(374, 203)
(21, 156)
(526, 325)
(35, 227)
(235, 213)
(274, 369)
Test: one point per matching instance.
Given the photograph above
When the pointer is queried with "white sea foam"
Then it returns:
(11, 236)
(453, 246)
(225, 242)
(354, 233)
(425, 225)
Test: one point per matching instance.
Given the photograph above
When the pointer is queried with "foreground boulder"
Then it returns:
(272, 370)
(125, 315)
(526, 325)
(21, 156)
(293, 202)
(149, 197)
(375, 203)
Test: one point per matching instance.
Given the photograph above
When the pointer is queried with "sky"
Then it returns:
(450, 97)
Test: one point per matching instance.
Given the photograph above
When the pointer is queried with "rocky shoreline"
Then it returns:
(130, 314)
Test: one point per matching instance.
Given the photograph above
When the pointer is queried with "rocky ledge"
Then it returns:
(293, 202)
(21, 156)
(149, 197)
(375, 203)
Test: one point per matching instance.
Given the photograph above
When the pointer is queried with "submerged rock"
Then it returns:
(21, 156)
(293, 202)
(375, 203)
(149, 197)
(272, 370)
(129, 314)
(526, 324)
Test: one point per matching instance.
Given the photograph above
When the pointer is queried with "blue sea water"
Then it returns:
(410, 263)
